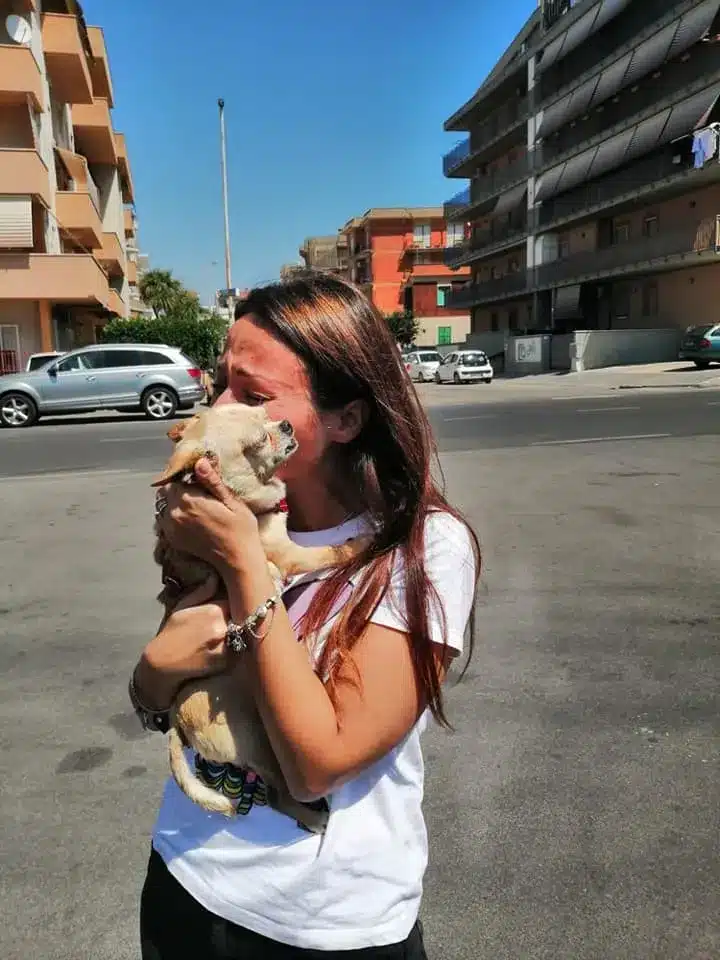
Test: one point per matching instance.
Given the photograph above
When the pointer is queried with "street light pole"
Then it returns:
(223, 168)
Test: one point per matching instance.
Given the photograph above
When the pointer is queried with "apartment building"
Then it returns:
(594, 176)
(397, 254)
(329, 253)
(66, 231)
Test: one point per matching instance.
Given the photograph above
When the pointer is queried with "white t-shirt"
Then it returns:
(360, 884)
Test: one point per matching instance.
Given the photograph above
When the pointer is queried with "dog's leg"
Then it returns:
(190, 784)
(293, 559)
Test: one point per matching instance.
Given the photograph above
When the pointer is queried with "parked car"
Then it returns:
(152, 378)
(422, 364)
(701, 345)
(38, 360)
(465, 366)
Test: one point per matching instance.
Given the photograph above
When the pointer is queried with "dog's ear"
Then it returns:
(177, 430)
(181, 462)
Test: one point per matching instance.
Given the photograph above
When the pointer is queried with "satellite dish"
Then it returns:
(19, 30)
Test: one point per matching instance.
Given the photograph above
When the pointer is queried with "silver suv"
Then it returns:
(153, 378)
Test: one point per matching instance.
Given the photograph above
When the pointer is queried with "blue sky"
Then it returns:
(329, 111)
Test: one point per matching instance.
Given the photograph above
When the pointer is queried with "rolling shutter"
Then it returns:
(16, 229)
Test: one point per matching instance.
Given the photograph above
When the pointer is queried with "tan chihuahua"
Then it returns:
(217, 716)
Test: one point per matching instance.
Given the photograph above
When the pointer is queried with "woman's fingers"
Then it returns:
(211, 481)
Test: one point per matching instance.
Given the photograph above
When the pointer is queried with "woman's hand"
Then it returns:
(205, 520)
(190, 644)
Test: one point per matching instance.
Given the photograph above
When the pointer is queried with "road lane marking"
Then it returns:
(569, 397)
(604, 409)
(57, 474)
(637, 436)
(714, 403)
(483, 416)
(131, 439)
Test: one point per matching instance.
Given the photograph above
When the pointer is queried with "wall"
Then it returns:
(15, 128)
(688, 208)
(484, 270)
(611, 348)
(493, 344)
(108, 183)
(516, 315)
(429, 326)
(684, 297)
(24, 314)
(424, 300)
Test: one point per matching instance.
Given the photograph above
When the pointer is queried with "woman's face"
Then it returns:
(263, 371)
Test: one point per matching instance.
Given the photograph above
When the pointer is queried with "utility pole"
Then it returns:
(223, 169)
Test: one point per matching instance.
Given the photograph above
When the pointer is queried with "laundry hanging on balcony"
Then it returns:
(705, 145)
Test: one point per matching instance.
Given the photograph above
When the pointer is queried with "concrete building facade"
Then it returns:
(397, 255)
(65, 183)
(593, 155)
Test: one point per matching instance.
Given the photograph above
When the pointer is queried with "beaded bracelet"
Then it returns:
(240, 635)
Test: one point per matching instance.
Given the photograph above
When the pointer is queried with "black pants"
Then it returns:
(173, 926)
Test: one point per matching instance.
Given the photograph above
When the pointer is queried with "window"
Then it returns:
(494, 323)
(512, 319)
(444, 336)
(71, 364)
(421, 234)
(621, 232)
(563, 247)
(650, 226)
(455, 234)
(443, 294)
(152, 358)
(649, 300)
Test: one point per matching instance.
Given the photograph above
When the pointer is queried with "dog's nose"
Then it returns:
(286, 427)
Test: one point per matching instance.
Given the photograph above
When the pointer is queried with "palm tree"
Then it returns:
(160, 290)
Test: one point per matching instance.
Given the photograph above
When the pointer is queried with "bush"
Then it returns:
(200, 337)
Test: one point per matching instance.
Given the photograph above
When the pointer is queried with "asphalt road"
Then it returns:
(133, 443)
(572, 814)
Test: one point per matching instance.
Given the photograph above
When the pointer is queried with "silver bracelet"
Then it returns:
(240, 635)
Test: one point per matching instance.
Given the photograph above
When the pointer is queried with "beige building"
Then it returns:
(67, 235)
(593, 160)
(328, 253)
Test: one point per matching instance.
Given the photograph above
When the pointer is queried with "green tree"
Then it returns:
(160, 290)
(404, 327)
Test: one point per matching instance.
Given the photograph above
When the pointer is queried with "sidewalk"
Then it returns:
(662, 377)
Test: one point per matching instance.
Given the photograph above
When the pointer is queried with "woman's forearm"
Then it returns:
(297, 712)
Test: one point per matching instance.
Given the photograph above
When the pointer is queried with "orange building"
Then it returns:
(398, 255)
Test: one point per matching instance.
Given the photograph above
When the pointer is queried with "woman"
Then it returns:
(315, 352)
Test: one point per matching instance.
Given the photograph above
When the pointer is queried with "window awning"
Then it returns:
(661, 128)
(567, 303)
(666, 44)
(508, 201)
(580, 30)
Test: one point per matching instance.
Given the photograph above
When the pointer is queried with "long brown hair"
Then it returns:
(349, 353)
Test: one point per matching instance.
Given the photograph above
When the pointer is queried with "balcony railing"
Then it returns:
(701, 237)
(487, 241)
(640, 177)
(455, 206)
(503, 120)
(512, 284)
(459, 153)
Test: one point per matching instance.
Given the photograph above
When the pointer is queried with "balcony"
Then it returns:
(695, 243)
(131, 272)
(511, 285)
(78, 217)
(23, 173)
(654, 176)
(110, 254)
(68, 278)
(126, 183)
(66, 59)
(129, 223)
(485, 243)
(20, 78)
(677, 81)
(100, 68)
(483, 189)
(462, 159)
(94, 136)
(115, 304)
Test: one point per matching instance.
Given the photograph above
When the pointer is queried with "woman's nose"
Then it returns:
(286, 427)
